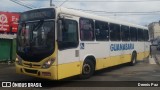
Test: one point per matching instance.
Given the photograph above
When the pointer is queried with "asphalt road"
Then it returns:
(142, 71)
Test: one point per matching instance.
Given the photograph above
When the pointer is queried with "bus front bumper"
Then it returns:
(49, 73)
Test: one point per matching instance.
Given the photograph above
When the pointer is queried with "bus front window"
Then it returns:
(35, 40)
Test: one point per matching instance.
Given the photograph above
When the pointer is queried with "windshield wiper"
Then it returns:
(35, 28)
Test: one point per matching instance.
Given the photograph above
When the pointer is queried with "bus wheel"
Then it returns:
(133, 59)
(87, 69)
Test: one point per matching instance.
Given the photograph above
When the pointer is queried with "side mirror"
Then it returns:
(59, 30)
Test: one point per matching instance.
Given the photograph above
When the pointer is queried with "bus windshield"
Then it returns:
(35, 40)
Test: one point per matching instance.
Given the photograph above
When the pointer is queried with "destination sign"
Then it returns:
(38, 14)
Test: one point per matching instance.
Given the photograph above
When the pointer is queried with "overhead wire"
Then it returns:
(63, 3)
(21, 4)
(104, 12)
(100, 0)
(26, 3)
(112, 12)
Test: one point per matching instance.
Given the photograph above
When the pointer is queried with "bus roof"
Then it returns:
(92, 16)
(96, 17)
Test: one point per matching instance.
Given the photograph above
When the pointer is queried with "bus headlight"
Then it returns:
(48, 63)
(19, 60)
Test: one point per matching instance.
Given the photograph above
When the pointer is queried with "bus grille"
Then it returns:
(31, 71)
(33, 65)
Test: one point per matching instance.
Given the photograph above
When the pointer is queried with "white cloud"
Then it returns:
(98, 6)
(122, 7)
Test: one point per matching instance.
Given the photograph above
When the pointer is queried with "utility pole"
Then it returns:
(115, 16)
(51, 3)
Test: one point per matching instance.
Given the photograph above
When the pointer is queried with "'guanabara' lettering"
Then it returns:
(120, 47)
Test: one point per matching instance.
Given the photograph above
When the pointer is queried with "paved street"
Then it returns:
(145, 70)
(142, 71)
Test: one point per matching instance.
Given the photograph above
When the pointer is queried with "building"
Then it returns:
(9, 22)
(154, 31)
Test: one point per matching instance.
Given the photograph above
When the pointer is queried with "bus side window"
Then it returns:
(146, 35)
(140, 35)
(101, 31)
(114, 32)
(125, 33)
(69, 34)
(86, 29)
(133, 34)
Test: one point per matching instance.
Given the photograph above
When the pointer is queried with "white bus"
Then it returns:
(56, 43)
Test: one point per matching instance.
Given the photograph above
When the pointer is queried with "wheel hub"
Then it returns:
(86, 68)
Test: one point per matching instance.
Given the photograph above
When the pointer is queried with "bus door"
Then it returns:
(146, 43)
(68, 48)
(146, 48)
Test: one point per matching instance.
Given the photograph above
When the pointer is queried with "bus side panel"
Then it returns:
(126, 58)
(68, 69)
(115, 60)
(147, 48)
(99, 50)
(126, 54)
(68, 63)
(115, 53)
(139, 47)
(68, 59)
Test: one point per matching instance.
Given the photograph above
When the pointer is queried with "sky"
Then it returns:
(142, 12)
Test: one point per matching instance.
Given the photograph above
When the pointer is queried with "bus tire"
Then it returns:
(133, 59)
(87, 69)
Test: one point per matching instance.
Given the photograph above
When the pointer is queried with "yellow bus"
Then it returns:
(56, 43)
